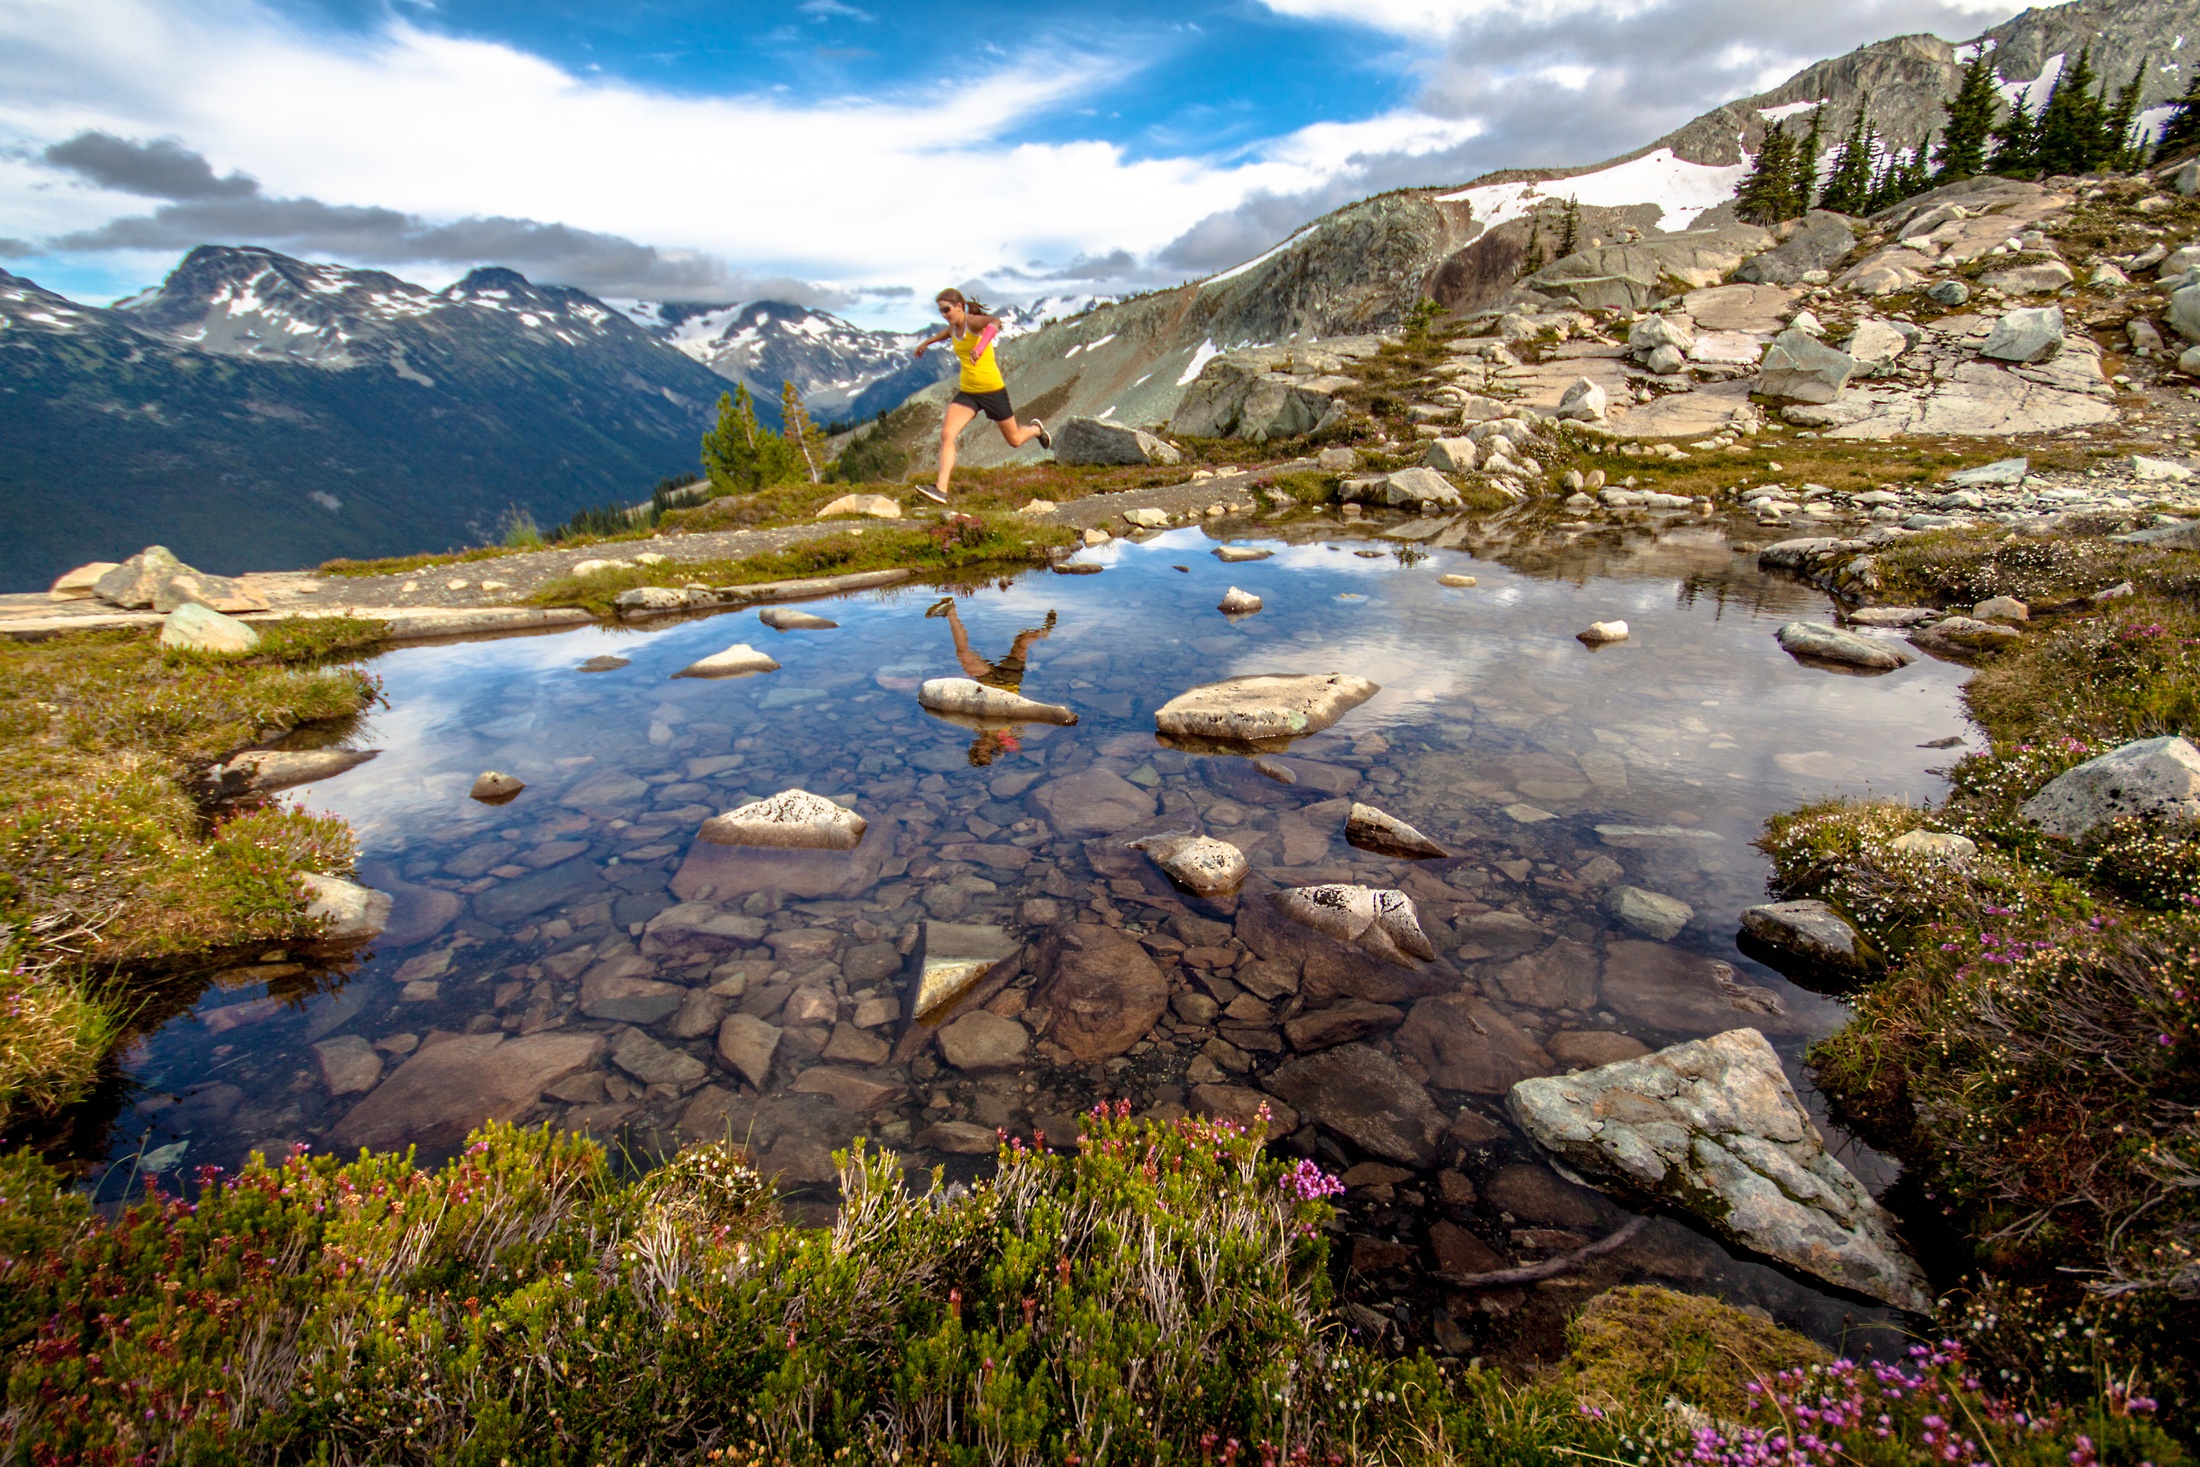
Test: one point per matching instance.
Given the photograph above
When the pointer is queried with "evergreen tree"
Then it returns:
(1806, 163)
(1769, 193)
(1849, 186)
(2070, 138)
(1904, 175)
(2181, 129)
(1962, 152)
(1569, 234)
(804, 439)
(1532, 261)
(740, 455)
(2120, 129)
(2016, 143)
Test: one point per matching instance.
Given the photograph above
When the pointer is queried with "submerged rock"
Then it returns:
(746, 1045)
(1372, 830)
(1198, 863)
(980, 1041)
(2156, 779)
(1093, 801)
(1379, 919)
(794, 819)
(1651, 913)
(973, 699)
(739, 660)
(1103, 991)
(1263, 706)
(442, 1092)
(1467, 1044)
(1366, 1097)
(1714, 1127)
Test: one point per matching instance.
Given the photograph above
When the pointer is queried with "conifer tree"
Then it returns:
(1769, 193)
(1962, 152)
(1806, 163)
(1569, 235)
(804, 439)
(1532, 261)
(2016, 143)
(740, 455)
(2120, 128)
(2181, 129)
(1849, 186)
(2070, 124)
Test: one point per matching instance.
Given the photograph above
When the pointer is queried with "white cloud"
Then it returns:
(859, 192)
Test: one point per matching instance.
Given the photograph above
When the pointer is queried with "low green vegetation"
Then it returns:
(959, 542)
(107, 861)
(1160, 1295)
(2033, 1049)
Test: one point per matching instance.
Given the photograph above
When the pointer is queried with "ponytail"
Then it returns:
(952, 296)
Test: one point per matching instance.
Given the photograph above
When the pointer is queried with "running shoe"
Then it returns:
(940, 607)
(932, 494)
(1046, 439)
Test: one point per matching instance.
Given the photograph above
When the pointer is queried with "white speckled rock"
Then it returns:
(2152, 777)
(195, 628)
(1238, 603)
(1811, 932)
(1714, 1127)
(1374, 830)
(351, 912)
(1823, 643)
(739, 660)
(791, 819)
(1264, 706)
(974, 699)
(1380, 919)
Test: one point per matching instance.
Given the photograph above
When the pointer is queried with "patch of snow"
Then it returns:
(1103, 341)
(326, 500)
(1073, 351)
(649, 315)
(1786, 110)
(1258, 260)
(529, 318)
(1198, 363)
(1681, 190)
(1141, 381)
(2151, 121)
(2034, 92)
(1108, 411)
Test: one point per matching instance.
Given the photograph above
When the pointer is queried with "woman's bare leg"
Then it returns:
(958, 418)
(1017, 434)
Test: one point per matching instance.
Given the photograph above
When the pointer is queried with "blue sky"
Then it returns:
(842, 152)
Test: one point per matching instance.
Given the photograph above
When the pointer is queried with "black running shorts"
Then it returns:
(993, 404)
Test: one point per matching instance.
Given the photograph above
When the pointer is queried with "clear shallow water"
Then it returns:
(1496, 733)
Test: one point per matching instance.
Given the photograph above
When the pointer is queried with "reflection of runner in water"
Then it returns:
(1007, 674)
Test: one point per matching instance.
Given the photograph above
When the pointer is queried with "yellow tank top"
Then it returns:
(980, 373)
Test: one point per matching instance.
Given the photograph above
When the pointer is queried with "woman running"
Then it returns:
(982, 388)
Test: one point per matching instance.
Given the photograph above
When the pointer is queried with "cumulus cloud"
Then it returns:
(234, 210)
(16, 249)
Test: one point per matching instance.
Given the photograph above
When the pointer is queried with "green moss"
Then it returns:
(1644, 1343)
(960, 543)
(107, 862)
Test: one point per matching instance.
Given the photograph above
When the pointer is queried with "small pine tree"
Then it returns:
(1806, 163)
(1962, 151)
(2181, 129)
(2070, 138)
(1904, 175)
(740, 456)
(1767, 195)
(2016, 144)
(1849, 186)
(1569, 228)
(1532, 261)
(804, 439)
(2120, 128)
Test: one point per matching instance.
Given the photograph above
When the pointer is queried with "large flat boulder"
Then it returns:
(442, 1092)
(1095, 801)
(1631, 276)
(1713, 1127)
(1798, 365)
(1974, 399)
(1818, 243)
(1466, 1044)
(1263, 707)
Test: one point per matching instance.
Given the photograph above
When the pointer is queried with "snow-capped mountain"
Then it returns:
(255, 410)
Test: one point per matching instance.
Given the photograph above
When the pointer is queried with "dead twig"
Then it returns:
(1550, 1268)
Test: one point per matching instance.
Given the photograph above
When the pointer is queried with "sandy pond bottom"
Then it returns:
(522, 977)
